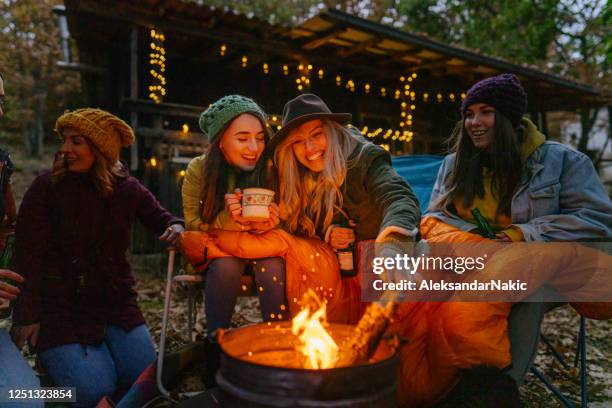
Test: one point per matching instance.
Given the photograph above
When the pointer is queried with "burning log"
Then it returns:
(368, 333)
(320, 350)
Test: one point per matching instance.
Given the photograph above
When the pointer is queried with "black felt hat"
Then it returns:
(302, 109)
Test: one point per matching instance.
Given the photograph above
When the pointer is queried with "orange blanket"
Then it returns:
(445, 337)
(442, 338)
(310, 264)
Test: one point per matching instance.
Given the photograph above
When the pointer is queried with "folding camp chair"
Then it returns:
(525, 318)
(194, 284)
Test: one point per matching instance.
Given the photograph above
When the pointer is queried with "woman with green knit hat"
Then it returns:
(237, 131)
(78, 308)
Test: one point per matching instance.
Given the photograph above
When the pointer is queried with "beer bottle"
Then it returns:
(5, 261)
(483, 226)
(346, 256)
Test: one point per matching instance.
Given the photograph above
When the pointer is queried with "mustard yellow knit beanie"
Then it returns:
(106, 131)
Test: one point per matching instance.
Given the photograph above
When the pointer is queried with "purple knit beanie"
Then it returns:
(504, 92)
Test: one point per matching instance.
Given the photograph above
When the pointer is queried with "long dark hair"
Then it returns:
(215, 171)
(504, 160)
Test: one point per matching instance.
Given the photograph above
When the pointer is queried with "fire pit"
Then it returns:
(260, 367)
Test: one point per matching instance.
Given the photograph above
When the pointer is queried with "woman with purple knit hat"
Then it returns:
(503, 172)
(527, 188)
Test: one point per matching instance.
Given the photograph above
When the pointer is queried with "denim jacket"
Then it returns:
(560, 197)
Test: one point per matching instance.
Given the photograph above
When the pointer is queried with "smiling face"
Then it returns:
(243, 142)
(479, 124)
(310, 144)
(77, 152)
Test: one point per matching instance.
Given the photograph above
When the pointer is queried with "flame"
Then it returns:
(319, 348)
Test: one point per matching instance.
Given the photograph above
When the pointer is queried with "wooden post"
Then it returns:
(544, 124)
(134, 94)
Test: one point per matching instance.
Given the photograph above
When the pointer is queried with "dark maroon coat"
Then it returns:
(71, 250)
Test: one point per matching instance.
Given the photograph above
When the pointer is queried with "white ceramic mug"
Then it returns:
(255, 203)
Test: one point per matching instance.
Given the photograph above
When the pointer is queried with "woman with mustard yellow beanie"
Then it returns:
(78, 308)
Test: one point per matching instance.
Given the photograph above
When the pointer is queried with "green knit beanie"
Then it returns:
(219, 114)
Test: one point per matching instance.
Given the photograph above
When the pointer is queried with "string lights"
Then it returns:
(157, 62)
(404, 92)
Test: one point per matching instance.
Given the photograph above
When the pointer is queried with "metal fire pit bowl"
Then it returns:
(260, 368)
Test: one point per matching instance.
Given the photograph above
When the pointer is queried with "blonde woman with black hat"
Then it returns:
(78, 308)
(237, 132)
(327, 171)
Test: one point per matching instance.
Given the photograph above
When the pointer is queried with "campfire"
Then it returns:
(309, 361)
(315, 343)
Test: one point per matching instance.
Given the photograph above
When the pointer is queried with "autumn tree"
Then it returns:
(37, 90)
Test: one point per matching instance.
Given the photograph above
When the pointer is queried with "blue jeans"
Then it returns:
(223, 286)
(102, 370)
(15, 371)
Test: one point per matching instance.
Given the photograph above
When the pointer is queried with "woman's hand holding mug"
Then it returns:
(263, 226)
(233, 205)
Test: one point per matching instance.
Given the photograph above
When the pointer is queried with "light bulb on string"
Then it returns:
(157, 66)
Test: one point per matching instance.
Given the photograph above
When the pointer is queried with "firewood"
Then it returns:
(368, 333)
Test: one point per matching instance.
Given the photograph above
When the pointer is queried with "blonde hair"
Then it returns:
(103, 173)
(308, 199)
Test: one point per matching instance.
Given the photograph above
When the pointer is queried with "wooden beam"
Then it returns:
(134, 94)
(166, 109)
(323, 37)
(343, 53)
(433, 63)
(398, 56)
(174, 136)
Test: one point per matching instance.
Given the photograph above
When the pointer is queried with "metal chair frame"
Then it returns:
(579, 356)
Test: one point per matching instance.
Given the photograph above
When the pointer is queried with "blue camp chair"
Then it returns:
(525, 318)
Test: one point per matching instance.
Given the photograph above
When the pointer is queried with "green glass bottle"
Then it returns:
(483, 226)
(5, 262)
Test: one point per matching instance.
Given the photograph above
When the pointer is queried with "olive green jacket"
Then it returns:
(375, 196)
